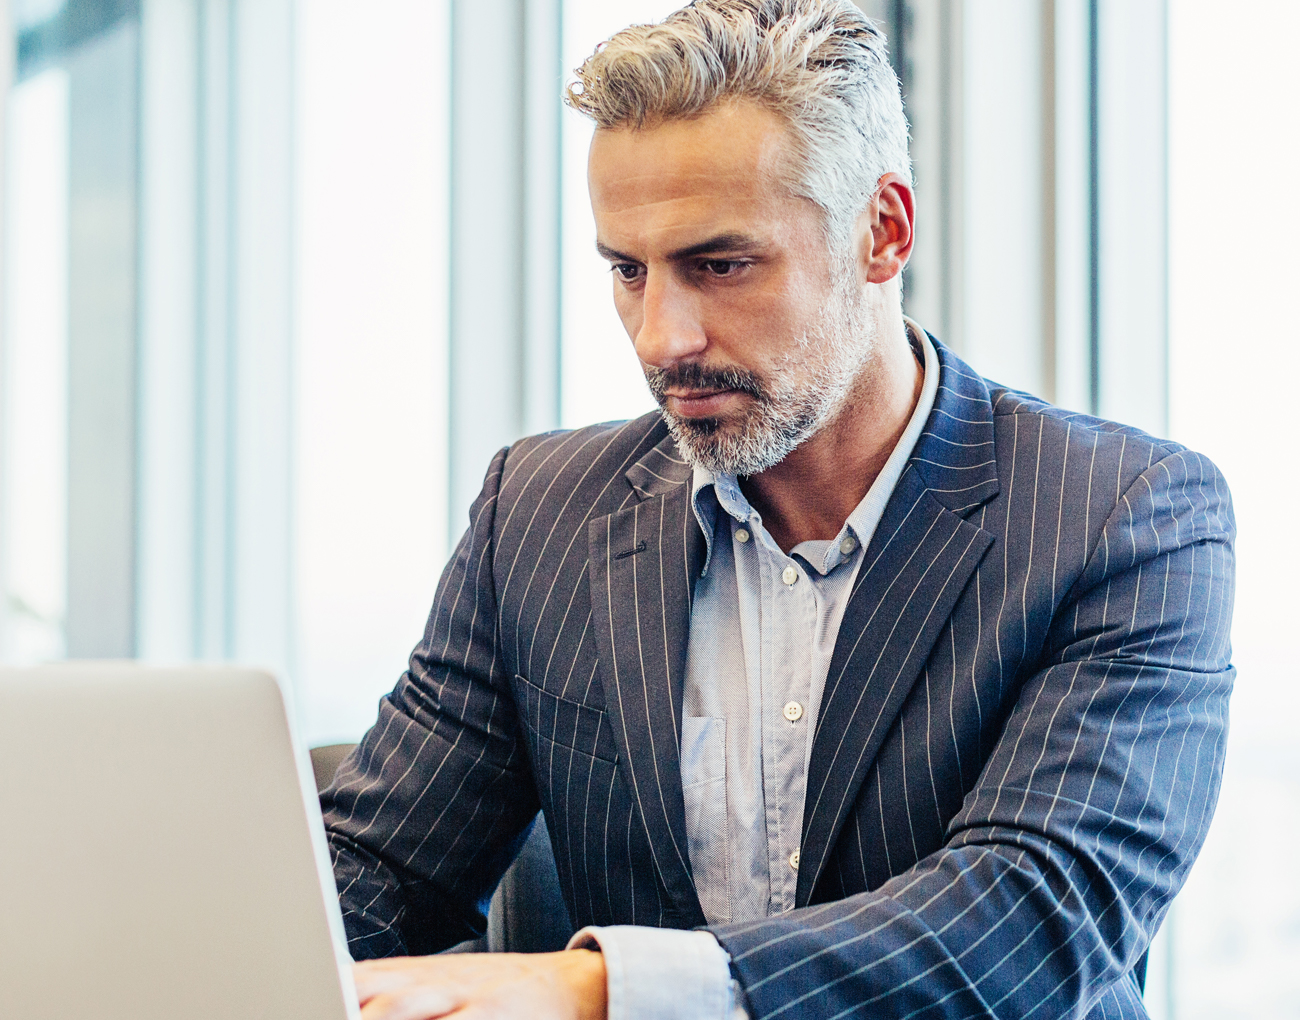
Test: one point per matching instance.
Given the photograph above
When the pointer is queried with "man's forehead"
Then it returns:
(735, 148)
(666, 227)
(677, 182)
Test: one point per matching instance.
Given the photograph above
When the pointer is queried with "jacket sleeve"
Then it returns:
(1085, 820)
(428, 811)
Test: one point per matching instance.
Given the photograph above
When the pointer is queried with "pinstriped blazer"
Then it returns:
(1015, 763)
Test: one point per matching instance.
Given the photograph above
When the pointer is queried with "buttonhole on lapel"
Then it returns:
(640, 548)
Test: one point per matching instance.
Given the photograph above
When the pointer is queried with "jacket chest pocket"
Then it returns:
(563, 722)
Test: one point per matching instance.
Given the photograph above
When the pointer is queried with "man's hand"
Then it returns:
(477, 986)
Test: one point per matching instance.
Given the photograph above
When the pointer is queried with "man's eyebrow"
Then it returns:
(732, 244)
(608, 253)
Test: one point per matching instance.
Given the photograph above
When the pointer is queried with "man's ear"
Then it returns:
(884, 231)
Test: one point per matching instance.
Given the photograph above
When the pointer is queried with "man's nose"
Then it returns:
(671, 326)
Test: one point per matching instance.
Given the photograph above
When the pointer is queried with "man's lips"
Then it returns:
(699, 403)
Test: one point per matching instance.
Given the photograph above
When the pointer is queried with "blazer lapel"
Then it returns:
(917, 564)
(643, 562)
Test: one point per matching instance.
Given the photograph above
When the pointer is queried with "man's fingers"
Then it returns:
(414, 1003)
(376, 977)
(553, 986)
(403, 989)
(373, 981)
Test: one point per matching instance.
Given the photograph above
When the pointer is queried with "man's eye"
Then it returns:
(627, 271)
(721, 267)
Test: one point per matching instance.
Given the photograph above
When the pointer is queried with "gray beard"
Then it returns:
(784, 414)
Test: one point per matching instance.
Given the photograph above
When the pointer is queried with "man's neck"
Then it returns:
(811, 493)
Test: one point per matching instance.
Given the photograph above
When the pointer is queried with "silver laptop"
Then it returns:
(161, 851)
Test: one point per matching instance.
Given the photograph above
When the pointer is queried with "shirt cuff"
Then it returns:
(664, 973)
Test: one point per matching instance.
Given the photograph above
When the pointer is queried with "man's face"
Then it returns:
(749, 333)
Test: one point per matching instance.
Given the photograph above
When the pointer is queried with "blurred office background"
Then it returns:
(279, 276)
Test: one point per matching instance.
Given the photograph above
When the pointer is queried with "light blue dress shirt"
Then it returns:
(763, 629)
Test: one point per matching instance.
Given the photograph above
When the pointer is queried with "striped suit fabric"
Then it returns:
(1016, 760)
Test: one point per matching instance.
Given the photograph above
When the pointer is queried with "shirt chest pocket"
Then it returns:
(565, 723)
(704, 788)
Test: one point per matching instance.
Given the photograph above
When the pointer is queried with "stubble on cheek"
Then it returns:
(802, 391)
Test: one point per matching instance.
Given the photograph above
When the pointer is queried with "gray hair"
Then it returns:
(820, 64)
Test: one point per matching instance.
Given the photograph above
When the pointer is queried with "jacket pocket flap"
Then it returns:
(564, 722)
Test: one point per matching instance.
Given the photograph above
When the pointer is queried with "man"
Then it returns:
(852, 683)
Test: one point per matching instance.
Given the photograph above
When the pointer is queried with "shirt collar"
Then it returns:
(709, 492)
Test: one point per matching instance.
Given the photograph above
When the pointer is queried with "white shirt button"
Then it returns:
(793, 711)
(789, 575)
(848, 545)
(794, 860)
(742, 536)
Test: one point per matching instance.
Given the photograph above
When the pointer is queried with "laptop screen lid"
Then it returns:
(161, 850)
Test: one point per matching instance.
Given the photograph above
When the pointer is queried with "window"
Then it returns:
(225, 338)
(1234, 213)
(68, 470)
(35, 368)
